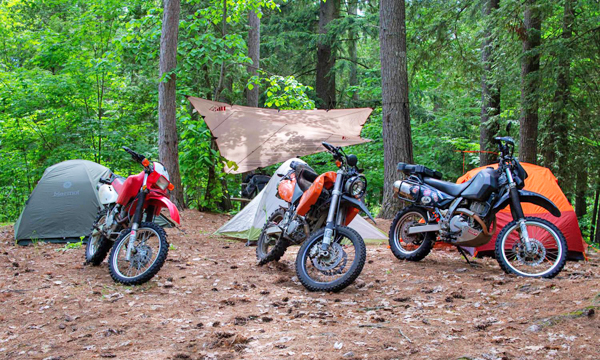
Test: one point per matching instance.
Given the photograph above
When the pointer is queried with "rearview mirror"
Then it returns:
(352, 160)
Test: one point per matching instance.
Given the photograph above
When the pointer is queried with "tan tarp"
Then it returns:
(257, 137)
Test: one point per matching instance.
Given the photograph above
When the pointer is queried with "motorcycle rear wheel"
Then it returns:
(402, 249)
(264, 251)
(98, 245)
(147, 260)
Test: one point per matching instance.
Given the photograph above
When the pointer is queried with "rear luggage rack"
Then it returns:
(409, 169)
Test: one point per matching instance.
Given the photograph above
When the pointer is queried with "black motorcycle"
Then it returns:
(465, 215)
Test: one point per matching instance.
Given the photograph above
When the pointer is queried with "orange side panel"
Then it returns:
(325, 180)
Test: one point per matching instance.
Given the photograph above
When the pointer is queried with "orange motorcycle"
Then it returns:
(320, 207)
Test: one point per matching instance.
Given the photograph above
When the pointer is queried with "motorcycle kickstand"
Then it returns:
(462, 252)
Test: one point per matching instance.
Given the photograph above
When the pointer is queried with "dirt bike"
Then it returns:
(139, 249)
(320, 207)
(465, 215)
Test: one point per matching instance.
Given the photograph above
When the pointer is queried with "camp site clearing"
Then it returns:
(210, 301)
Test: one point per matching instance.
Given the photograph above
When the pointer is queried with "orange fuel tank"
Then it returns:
(286, 188)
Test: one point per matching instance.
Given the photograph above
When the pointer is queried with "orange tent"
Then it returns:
(542, 181)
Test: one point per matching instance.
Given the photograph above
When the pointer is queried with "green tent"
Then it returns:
(64, 204)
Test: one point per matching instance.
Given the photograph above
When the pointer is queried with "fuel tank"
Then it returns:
(482, 186)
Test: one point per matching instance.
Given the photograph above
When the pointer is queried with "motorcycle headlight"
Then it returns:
(162, 183)
(356, 186)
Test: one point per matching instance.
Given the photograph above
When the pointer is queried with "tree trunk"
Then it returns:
(254, 54)
(353, 36)
(490, 92)
(557, 149)
(597, 222)
(219, 87)
(167, 123)
(325, 82)
(580, 192)
(594, 216)
(210, 182)
(530, 66)
(397, 141)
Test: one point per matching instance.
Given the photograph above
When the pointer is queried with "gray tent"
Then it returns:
(64, 204)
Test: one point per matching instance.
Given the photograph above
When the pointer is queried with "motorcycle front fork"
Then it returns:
(333, 210)
(135, 223)
(518, 215)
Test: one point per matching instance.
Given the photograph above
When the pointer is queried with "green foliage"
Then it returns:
(79, 80)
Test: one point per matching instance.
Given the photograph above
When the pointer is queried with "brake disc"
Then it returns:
(531, 258)
(142, 256)
(335, 258)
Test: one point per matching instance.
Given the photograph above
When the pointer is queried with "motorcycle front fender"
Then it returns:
(359, 205)
(162, 202)
(528, 197)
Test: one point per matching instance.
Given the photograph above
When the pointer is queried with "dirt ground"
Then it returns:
(210, 301)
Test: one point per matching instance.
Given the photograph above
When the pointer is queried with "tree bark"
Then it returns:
(167, 122)
(325, 82)
(353, 35)
(490, 92)
(580, 192)
(397, 141)
(557, 149)
(254, 54)
(530, 66)
(594, 216)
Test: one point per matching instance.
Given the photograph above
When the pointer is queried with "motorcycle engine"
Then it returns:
(468, 231)
(296, 231)
(478, 207)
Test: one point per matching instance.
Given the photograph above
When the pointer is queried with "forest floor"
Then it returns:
(211, 301)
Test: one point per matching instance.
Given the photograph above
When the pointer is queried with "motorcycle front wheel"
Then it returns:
(147, 256)
(546, 257)
(98, 245)
(338, 268)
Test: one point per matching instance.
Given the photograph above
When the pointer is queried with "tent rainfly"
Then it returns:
(257, 137)
(248, 223)
(542, 181)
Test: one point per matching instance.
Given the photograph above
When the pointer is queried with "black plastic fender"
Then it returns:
(527, 197)
(358, 204)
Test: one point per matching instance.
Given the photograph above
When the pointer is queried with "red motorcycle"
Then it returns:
(141, 247)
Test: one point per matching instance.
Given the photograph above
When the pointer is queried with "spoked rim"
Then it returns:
(401, 229)
(95, 240)
(269, 241)
(324, 270)
(547, 249)
(147, 247)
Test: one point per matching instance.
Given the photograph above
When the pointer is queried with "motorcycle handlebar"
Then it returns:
(137, 157)
(332, 149)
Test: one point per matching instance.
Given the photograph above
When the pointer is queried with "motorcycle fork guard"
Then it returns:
(136, 223)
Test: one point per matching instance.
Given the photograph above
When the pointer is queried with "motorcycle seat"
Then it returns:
(447, 187)
(305, 176)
